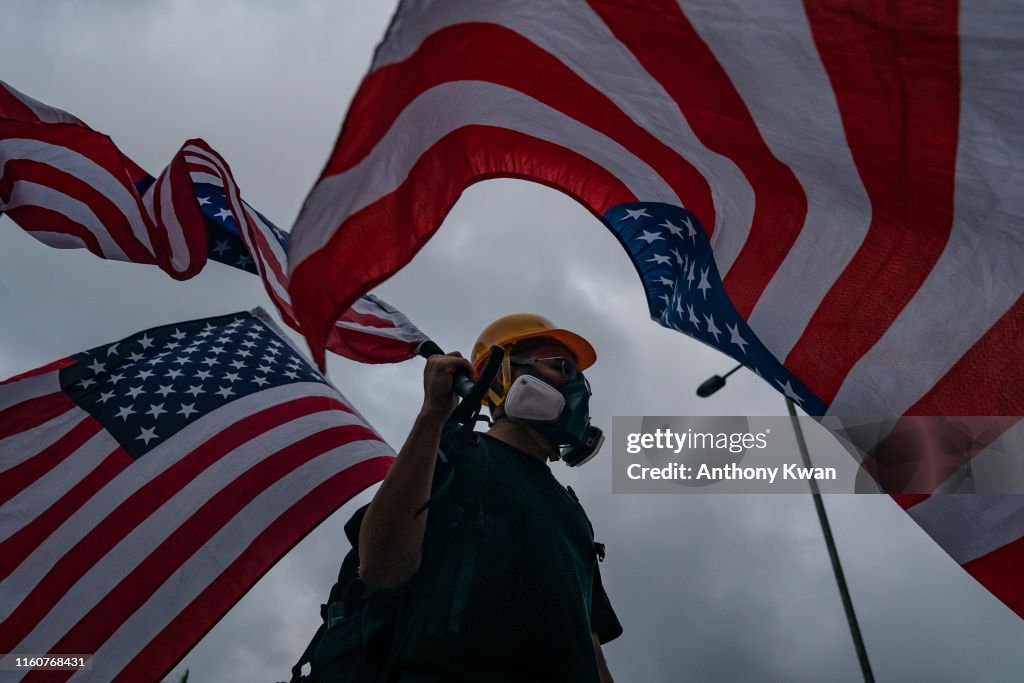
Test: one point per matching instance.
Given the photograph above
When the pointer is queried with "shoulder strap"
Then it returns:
(464, 518)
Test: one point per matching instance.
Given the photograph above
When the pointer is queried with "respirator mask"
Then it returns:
(562, 416)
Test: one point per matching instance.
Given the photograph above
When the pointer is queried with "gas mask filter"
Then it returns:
(560, 416)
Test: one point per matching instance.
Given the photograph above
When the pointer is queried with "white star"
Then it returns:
(135, 357)
(154, 361)
(243, 261)
(674, 229)
(187, 409)
(704, 285)
(264, 368)
(659, 259)
(164, 390)
(178, 334)
(246, 352)
(216, 350)
(225, 391)
(181, 360)
(636, 213)
(106, 396)
(147, 435)
(690, 230)
(712, 330)
(97, 367)
(124, 412)
(735, 338)
(210, 360)
(679, 257)
(204, 333)
(203, 374)
(689, 277)
(665, 281)
(679, 306)
(237, 364)
(87, 382)
(173, 345)
(145, 341)
(156, 410)
(269, 358)
(174, 373)
(223, 214)
(134, 392)
(261, 380)
(145, 374)
(195, 390)
(650, 237)
(787, 389)
(114, 379)
(231, 376)
(666, 298)
(222, 246)
(112, 350)
(693, 318)
(203, 201)
(291, 375)
(275, 344)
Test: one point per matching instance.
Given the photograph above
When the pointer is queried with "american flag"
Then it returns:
(148, 483)
(827, 191)
(70, 187)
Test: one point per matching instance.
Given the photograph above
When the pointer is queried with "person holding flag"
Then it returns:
(500, 572)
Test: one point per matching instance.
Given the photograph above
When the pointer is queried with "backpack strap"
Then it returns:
(465, 520)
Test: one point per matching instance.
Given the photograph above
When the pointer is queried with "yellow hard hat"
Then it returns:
(514, 328)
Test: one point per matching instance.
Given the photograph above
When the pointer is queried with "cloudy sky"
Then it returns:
(707, 587)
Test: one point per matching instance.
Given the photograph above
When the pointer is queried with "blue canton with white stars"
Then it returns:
(224, 242)
(146, 388)
(673, 255)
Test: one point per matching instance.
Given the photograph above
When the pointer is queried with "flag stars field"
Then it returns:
(702, 310)
(195, 373)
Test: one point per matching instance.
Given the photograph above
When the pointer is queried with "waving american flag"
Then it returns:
(828, 191)
(147, 484)
(70, 187)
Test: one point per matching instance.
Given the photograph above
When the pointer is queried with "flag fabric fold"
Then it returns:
(70, 187)
(147, 484)
(833, 202)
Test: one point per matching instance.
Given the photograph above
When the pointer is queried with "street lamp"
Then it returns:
(716, 382)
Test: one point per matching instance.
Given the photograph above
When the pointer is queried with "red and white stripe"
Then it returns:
(70, 187)
(135, 560)
(370, 331)
(857, 167)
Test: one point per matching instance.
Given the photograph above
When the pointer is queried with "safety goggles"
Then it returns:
(564, 364)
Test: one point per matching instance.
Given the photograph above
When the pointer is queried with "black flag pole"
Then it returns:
(716, 382)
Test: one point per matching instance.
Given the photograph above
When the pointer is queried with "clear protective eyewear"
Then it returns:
(564, 364)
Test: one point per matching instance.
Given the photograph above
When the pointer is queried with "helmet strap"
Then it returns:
(504, 378)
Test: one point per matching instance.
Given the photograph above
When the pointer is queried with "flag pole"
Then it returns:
(715, 383)
(833, 553)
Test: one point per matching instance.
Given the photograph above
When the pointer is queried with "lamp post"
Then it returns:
(716, 382)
